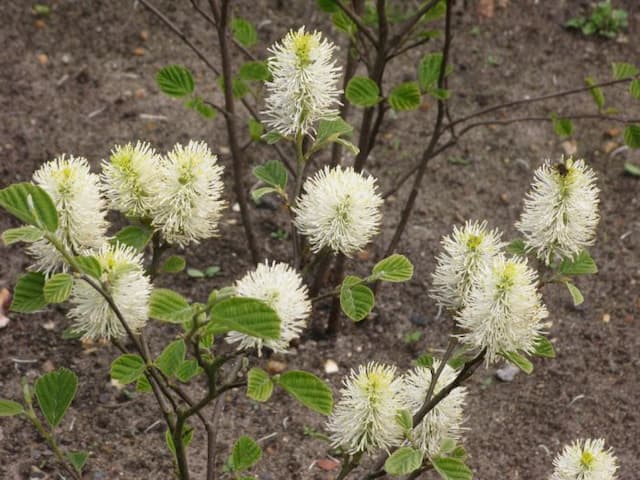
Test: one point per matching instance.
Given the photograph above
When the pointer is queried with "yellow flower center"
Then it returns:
(302, 46)
(587, 460)
(474, 241)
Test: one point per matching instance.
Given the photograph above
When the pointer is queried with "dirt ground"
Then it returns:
(95, 88)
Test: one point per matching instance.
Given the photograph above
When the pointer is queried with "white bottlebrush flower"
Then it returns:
(585, 460)
(124, 278)
(364, 419)
(561, 211)
(280, 287)
(304, 85)
(188, 205)
(339, 209)
(445, 420)
(131, 178)
(76, 193)
(464, 252)
(504, 309)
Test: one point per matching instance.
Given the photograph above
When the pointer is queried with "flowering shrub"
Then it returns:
(411, 421)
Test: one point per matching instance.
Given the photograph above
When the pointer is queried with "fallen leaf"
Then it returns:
(39, 23)
(612, 132)
(609, 147)
(138, 51)
(5, 302)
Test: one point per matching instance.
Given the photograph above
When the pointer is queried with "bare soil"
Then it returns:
(96, 89)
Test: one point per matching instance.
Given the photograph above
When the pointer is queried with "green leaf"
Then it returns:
(272, 137)
(405, 420)
(55, 392)
(187, 370)
(517, 247)
(195, 273)
(356, 299)
(436, 12)
(544, 348)
(78, 460)
(429, 70)
(562, 126)
(632, 135)
(332, 130)
(203, 108)
(404, 461)
(26, 234)
(28, 295)
(439, 93)
(31, 205)
(451, 468)
(174, 264)
(632, 169)
(168, 306)
(624, 70)
(519, 361)
(187, 437)
(576, 294)
(256, 129)
(171, 357)
(342, 22)
(143, 385)
(246, 315)
(362, 91)
(259, 385)
(634, 88)
(245, 454)
(89, 265)
(425, 361)
(254, 71)
(273, 173)
(596, 92)
(328, 6)
(58, 288)
(395, 268)
(582, 264)
(258, 193)
(244, 32)
(127, 368)
(175, 81)
(134, 236)
(9, 408)
(308, 390)
(405, 96)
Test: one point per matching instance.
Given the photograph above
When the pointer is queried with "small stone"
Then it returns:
(328, 464)
(65, 58)
(224, 150)
(144, 35)
(504, 198)
(236, 207)
(609, 147)
(50, 325)
(606, 318)
(37, 474)
(330, 366)
(507, 373)
(612, 132)
(42, 58)
(39, 23)
(363, 255)
(275, 366)
(48, 366)
(140, 93)
(138, 51)
(570, 147)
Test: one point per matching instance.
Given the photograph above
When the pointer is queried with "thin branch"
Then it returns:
(408, 25)
(581, 116)
(357, 20)
(435, 136)
(180, 34)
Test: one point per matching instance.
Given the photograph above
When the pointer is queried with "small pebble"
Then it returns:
(507, 373)
(275, 366)
(42, 58)
(330, 366)
(138, 51)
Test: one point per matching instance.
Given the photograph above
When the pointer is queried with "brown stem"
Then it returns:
(238, 161)
(427, 154)
(358, 21)
(333, 324)
(408, 25)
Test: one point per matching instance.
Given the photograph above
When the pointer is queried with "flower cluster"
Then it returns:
(339, 209)
(464, 253)
(561, 211)
(76, 194)
(280, 287)
(125, 281)
(366, 417)
(585, 460)
(304, 85)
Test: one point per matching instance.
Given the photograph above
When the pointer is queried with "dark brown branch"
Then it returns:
(356, 19)
(407, 27)
(435, 136)
(237, 155)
